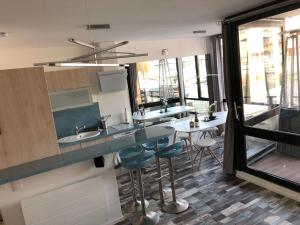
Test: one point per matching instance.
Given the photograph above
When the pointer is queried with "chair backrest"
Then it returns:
(140, 156)
(126, 153)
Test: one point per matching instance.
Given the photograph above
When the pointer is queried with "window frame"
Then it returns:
(200, 98)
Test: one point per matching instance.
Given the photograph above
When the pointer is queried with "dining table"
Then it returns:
(183, 125)
(158, 114)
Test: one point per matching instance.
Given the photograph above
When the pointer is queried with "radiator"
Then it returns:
(84, 203)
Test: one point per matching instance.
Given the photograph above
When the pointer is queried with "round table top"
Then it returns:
(153, 133)
(184, 125)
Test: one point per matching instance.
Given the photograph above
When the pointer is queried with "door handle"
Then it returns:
(236, 111)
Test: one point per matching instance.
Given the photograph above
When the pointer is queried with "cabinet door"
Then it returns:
(67, 79)
(26, 121)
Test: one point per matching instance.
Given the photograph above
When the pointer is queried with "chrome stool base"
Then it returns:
(151, 218)
(132, 207)
(167, 193)
(179, 206)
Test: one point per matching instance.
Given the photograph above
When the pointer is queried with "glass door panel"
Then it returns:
(269, 58)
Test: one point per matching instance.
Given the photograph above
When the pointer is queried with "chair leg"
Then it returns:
(149, 218)
(199, 151)
(187, 149)
(141, 187)
(135, 205)
(200, 158)
(171, 173)
(213, 155)
(163, 193)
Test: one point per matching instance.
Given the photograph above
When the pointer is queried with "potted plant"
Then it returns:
(212, 110)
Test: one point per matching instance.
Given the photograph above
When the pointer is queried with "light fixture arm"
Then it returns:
(100, 51)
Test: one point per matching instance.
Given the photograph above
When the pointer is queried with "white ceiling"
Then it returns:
(46, 23)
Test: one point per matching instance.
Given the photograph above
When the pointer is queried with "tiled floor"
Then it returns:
(214, 198)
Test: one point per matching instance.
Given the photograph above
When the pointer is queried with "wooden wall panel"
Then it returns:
(26, 120)
(67, 79)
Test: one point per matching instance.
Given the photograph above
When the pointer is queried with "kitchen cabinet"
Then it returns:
(67, 79)
(27, 130)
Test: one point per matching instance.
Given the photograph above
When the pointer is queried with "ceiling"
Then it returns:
(47, 23)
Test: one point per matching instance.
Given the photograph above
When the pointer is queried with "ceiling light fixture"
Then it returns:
(83, 60)
(77, 64)
(72, 40)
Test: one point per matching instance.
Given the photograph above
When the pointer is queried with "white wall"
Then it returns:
(176, 48)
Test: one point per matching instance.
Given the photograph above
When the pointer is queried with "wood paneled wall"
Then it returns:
(26, 120)
(67, 79)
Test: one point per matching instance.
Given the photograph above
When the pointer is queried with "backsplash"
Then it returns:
(67, 120)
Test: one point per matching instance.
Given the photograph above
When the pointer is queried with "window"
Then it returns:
(148, 80)
(202, 76)
(190, 77)
(195, 82)
(261, 64)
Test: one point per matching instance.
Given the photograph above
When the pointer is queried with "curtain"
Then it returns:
(229, 140)
(217, 75)
(132, 85)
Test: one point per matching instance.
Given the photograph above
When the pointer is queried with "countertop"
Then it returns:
(111, 130)
(43, 165)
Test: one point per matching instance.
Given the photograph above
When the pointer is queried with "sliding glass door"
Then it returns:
(266, 95)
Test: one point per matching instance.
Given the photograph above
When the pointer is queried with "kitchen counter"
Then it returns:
(111, 131)
(43, 165)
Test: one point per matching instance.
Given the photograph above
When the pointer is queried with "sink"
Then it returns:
(79, 137)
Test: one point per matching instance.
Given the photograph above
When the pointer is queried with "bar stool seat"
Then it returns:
(137, 161)
(135, 205)
(161, 143)
(176, 205)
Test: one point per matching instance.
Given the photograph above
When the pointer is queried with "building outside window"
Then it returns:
(148, 81)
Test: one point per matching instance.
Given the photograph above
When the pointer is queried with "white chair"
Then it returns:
(185, 138)
(212, 132)
(205, 144)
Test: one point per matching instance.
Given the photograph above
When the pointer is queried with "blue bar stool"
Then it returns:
(163, 193)
(176, 205)
(134, 205)
(137, 161)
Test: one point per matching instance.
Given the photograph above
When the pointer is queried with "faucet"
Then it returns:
(78, 129)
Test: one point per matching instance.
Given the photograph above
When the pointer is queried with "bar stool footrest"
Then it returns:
(167, 193)
(132, 207)
(151, 218)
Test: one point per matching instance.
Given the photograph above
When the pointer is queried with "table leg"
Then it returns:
(191, 149)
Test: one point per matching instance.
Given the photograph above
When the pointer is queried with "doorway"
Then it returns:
(266, 98)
